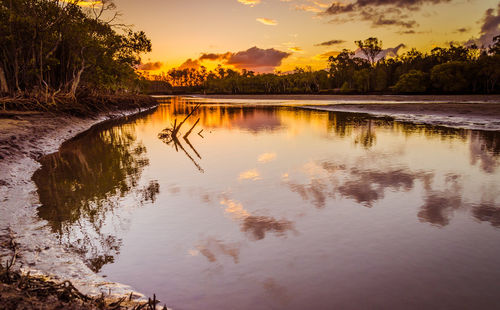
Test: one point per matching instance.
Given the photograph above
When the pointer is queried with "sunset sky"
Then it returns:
(268, 35)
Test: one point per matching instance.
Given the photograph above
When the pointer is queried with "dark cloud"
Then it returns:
(215, 57)
(331, 42)
(255, 59)
(190, 64)
(262, 60)
(490, 27)
(150, 66)
(381, 12)
(462, 30)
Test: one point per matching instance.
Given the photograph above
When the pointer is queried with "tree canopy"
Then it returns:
(452, 69)
(59, 47)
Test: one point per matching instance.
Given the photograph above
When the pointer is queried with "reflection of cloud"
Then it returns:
(487, 213)
(258, 226)
(439, 205)
(211, 248)
(315, 191)
(277, 292)
(234, 209)
(364, 186)
(250, 175)
(267, 157)
(257, 120)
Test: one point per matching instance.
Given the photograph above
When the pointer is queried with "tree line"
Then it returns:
(453, 69)
(51, 48)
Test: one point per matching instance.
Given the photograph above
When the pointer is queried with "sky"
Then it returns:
(279, 35)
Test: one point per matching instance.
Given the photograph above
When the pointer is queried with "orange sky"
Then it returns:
(268, 35)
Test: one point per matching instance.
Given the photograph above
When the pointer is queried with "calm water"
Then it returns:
(279, 207)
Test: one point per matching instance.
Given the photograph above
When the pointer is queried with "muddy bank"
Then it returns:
(479, 116)
(365, 98)
(24, 138)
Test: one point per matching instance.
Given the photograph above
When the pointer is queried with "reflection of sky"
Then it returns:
(311, 209)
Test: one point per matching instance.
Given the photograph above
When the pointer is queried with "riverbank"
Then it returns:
(365, 98)
(25, 136)
(477, 112)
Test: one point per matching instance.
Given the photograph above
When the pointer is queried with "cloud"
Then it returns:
(326, 55)
(190, 64)
(380, 12)
(85, 3)
(255, 59)
(307, 8)
(249, 2)
(330, 43)
(262, 60)
(215, 57)
(151, 66)
(462, 30)
(267, 21)
(295, 49)
(490, 27)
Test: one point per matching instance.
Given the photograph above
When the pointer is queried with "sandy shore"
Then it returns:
(24, 138)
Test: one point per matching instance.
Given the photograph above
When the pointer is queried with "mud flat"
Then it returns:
(478, 116)
(478, 112)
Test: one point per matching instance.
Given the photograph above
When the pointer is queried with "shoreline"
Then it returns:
(362, 98)
(24, 138)
(477, 112)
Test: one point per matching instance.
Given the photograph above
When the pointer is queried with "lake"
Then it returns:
(281, 207)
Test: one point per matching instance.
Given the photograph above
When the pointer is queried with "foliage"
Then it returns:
(414, 81)
(457, 68)
(58, 47)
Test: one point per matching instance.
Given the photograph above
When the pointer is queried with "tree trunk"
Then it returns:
(4, 88)
(76, 80)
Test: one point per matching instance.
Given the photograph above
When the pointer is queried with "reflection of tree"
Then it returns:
(485, 149)
(367, 137)
(78, 184)
(211, 248)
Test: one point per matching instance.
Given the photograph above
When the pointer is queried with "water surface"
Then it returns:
(279, 207)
